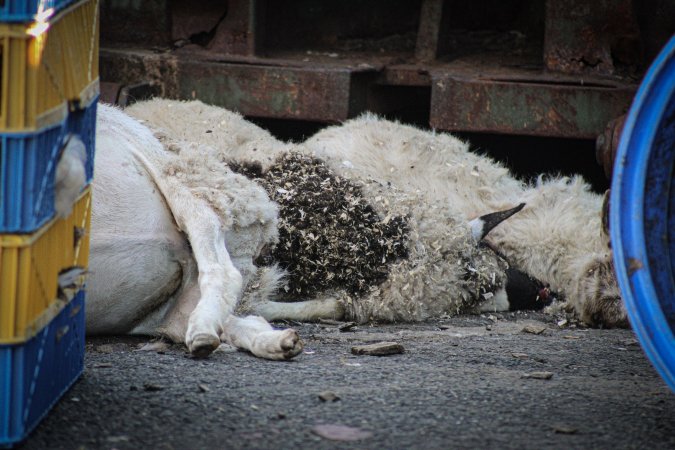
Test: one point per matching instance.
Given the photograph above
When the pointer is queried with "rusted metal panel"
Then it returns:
(528, 108)
(505, 102)
(129, 67)
(431, 12)
(448, 61)
(127, 21)
(600, 36)
(341, 26)
(405, 75)
(321, 93)
(196, 20)
(239, 33)
(109, 92)
(607, 145)
(289, 93)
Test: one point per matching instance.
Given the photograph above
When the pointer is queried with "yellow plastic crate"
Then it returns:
(47, 63)
(29, 269)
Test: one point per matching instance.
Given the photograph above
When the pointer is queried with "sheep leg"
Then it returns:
(220, 283)
(220, 286)
(307, 311)
(256, 335)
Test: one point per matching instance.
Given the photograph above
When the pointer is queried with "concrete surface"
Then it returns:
(461, 383)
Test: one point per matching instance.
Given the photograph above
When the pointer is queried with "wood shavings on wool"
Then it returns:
(330, 237)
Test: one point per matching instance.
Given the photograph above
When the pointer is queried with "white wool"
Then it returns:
(430, 282)
(556, 238)
(438, 165)
(204, 170)
(262, 287)
(197, 123)
(559, 226)
(247, 215)
(70, 177)
(431, 177)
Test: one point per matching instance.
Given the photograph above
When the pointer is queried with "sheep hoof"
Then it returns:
(277, 345)
(203, 345)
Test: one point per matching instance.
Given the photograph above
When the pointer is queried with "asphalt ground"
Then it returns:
(463, 382)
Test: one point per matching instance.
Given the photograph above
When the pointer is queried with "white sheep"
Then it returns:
(175, 233)
(558, 237)
(159, 262)
(435, 179)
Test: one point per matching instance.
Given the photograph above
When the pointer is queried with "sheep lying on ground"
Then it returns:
(178, 237)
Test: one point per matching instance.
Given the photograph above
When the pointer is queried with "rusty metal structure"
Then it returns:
(556, 68)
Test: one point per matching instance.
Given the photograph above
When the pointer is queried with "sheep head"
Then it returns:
(598, 285)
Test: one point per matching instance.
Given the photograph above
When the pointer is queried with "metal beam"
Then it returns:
(318, 93)
(521, 107)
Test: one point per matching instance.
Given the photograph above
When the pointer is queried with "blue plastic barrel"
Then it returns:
(642, 215)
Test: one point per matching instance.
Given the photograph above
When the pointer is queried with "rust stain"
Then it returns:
(607, 145)
(634, 265)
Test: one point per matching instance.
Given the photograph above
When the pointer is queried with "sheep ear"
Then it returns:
(481, 226)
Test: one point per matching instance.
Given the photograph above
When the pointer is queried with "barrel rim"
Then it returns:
(631, 264)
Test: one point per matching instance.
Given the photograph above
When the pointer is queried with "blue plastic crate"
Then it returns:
(29, 10)
(35, 374)
(28, 166)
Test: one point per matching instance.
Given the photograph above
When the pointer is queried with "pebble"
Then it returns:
(534, 329)
(563, 429)
(349, 326)
(378, 349)
(539, 375)
(328, 396)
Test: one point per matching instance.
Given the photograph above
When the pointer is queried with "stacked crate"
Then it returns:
(48, 92)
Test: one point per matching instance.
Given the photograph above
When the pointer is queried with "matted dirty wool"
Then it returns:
(329, 236)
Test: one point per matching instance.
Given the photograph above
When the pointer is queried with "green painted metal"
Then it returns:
(540, 109)
(267, 91)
